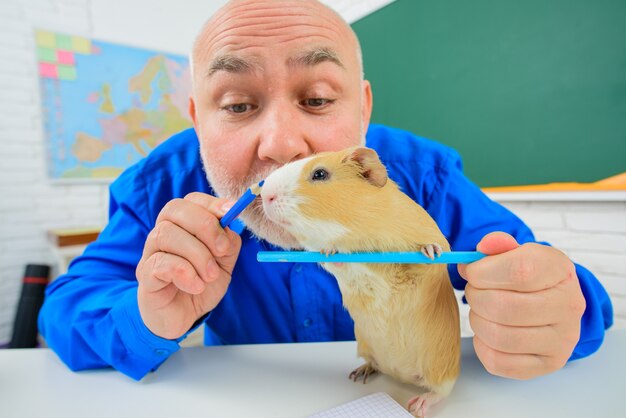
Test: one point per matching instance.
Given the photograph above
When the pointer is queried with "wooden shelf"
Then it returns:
(73, 236)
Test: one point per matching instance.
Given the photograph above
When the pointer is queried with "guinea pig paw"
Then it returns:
(365, 370)
(332, 251)
(418, 405)
(432, 250)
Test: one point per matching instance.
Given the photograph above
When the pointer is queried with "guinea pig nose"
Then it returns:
(270, 198)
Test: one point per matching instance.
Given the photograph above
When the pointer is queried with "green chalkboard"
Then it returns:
(528, 92)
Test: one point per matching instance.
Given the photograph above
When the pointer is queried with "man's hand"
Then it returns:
(186, 264)
(525, 307)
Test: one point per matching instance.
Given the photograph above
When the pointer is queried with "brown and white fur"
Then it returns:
(405, 315)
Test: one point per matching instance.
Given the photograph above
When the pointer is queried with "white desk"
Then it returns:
(294, 380)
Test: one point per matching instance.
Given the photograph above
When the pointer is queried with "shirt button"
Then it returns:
(161, 352)
(307, 322)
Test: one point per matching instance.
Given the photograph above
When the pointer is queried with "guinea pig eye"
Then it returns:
(319, 175)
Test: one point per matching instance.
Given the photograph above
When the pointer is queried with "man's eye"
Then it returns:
(316, 102)
(319, 175)
(238, 108)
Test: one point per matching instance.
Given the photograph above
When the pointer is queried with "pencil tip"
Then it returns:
(256, 189)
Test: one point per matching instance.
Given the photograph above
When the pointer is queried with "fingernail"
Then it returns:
(222, 243)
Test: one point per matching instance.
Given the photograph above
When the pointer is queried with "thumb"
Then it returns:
(491, 244)
(228, 261)
(496, 243)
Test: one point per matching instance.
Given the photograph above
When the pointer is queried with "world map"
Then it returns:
(106, 106)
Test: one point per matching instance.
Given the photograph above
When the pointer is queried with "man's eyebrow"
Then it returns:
(231, 64)
(314, 57)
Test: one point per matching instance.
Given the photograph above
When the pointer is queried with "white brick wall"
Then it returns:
(29, 203)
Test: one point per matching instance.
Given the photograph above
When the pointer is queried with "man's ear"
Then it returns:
(192, 112)
(366, 105)
(371, 169)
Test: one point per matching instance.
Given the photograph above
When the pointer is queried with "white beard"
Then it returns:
(263, 228)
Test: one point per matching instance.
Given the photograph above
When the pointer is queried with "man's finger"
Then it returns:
(166, 269)
(215, 205)
(228, 260)
(543, 340)
(496, 243)
(528, 268)
(171, 238)
(493, 243)
(200, 221)
(514, 366)
(519, 309)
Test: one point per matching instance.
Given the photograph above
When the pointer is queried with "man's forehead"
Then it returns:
(241, 63)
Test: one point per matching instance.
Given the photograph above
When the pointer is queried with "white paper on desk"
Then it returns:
(376, 405)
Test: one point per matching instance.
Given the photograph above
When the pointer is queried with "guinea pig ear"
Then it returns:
(371, 169)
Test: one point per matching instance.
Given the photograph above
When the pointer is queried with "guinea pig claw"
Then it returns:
(418, 405)
(432, 250)
(364, 371)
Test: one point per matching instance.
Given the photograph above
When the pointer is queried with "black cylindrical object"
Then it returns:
(31, 299)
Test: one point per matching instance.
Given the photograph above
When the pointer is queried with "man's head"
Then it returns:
(274, 81)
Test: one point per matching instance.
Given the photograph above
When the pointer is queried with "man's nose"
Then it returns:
(281, 138)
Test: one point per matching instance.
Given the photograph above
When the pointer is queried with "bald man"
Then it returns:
(274, 82)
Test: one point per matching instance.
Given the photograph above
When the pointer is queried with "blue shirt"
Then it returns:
(90, 316)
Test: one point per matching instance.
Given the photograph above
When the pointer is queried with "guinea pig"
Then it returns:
(406, 319)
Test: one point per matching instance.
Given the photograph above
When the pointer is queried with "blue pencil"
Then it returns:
(453, 257)
(241, 204)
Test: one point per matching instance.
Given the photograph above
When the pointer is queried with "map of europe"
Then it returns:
(106, 106)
